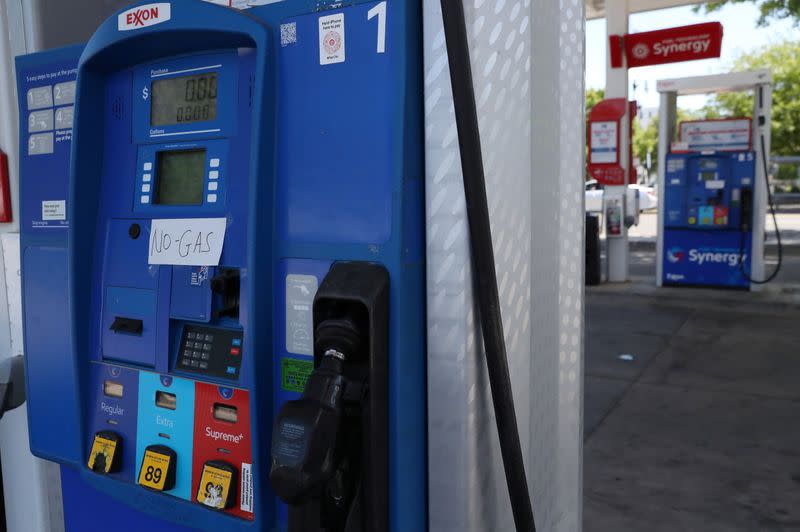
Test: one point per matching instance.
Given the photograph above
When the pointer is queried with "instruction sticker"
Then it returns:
(187, 241)
(295, 374)
(246, 495)
(54, 210)
(300, 292)
(331, 39)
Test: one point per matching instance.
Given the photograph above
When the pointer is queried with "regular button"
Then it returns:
(191, 336)
(209, 338)
(205, 356)
(195, 363)
(203, 365)
(206, 347)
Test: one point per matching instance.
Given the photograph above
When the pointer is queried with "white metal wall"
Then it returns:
(528, 67)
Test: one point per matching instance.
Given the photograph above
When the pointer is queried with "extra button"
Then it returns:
(211, 198)
(213, 163)
(235, 351)
(147, 167)
(237, 342)
(213, 174)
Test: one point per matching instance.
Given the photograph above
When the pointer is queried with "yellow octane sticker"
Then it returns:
(215, 484)
(102, 453)
(154, 470)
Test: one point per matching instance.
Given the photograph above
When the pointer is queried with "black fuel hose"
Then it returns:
(482, 251)
(771, 202)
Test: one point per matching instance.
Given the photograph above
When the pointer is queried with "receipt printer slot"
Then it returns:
(127, 325)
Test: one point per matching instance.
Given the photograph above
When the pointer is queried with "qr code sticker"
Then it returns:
(288, 33)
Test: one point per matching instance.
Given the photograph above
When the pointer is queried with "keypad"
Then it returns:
(213, 351)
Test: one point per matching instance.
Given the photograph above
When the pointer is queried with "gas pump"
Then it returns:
(715, 188)
(205, 264)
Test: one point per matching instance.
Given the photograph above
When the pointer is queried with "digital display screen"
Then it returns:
(708, 176)
(184, 100)
(180, 177)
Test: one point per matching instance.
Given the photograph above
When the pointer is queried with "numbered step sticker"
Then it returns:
(40, 121)
(64, 93)
(40, 97)
(41, 144)
(65, 116)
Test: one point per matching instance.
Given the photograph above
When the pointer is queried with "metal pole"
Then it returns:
(482, 250)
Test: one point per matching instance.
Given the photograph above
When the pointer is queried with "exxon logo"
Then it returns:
(675, 255)
(143, 16)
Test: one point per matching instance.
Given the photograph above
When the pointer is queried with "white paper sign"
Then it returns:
(187, 241)
(54, 210)
(603, 143)
(331, 39)
(722, 135)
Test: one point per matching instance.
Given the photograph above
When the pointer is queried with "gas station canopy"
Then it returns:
(597, 8)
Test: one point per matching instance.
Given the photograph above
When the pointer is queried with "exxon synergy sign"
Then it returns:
(685, 43)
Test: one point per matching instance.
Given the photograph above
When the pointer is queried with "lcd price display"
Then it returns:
(179, 176)
(184, 100)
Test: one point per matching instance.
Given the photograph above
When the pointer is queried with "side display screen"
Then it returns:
(185, 99)
(179, 177)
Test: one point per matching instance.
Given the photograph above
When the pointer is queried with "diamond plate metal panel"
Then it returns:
(530, 108)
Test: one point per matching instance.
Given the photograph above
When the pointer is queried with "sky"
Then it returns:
(740, 35)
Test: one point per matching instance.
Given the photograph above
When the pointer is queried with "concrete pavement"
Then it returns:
(692, 410)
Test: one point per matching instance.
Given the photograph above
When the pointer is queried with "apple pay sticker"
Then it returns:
(331, 39)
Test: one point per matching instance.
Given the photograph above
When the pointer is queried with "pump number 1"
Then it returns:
(380, 11)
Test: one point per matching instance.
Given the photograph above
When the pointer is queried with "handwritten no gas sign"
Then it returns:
(187, 241)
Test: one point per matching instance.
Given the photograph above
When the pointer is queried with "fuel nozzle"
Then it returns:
(307, 445)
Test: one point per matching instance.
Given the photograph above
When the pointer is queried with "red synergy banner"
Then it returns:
(673, 45)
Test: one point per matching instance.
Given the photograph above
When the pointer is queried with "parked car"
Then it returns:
(648, 199)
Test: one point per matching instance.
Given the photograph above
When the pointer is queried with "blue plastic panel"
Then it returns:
(706, 258)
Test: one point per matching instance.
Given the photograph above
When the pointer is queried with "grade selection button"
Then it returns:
(105, 456)
(158, 468)
(217, 487)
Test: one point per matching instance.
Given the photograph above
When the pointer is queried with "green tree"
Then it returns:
(784, 61)
(645, 139)
(770, 9)
(593, 97)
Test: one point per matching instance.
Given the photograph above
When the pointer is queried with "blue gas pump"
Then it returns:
(190, 248)
(708, 218)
